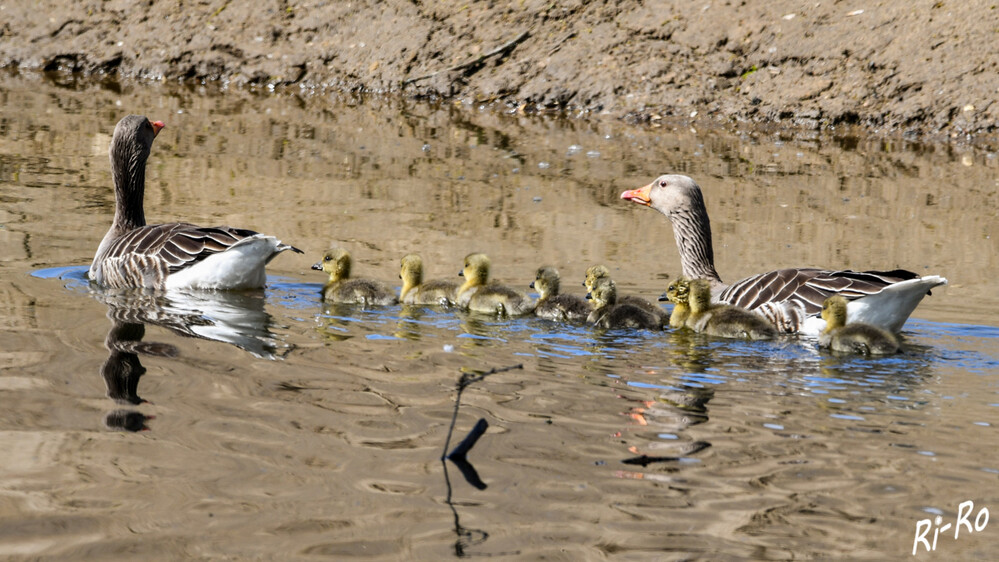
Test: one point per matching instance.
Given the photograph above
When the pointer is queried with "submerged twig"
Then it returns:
(498, 50)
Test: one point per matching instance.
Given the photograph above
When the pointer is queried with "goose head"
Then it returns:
(546, 282)
(593, 273)
(669, 194)
(603, 293)
(129, 149)
(475, 271)
(834, 312)
(336, 263)
(680, 199)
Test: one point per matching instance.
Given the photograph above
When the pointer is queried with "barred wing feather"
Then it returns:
(810, 286)
(145, 256)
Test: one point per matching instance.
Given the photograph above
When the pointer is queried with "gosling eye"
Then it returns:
(327, 258)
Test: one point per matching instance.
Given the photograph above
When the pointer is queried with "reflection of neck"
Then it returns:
(122, 369)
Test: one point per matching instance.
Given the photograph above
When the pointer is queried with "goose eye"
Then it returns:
(662, 183)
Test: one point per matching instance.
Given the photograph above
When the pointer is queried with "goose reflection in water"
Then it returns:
(122, 371)
(235, 318)
(238, 319)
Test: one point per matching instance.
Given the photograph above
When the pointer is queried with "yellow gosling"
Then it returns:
(678, 293)
(554, 305)
(416, 291)
(342, 289)
(723, 320)
(855, 337)
(478, 294)
(593, 273)
(609, 314)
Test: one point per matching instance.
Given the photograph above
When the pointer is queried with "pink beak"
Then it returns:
(640, 195)
(157, 125)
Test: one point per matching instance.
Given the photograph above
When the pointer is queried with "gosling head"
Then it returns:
(546, 282)
(603, 293)
(678, 292)
(336, 263)
(834, 312)
(593, 273)
(699, 295)
(475, 270)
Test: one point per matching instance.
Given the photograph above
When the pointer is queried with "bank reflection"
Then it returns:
(236, 319)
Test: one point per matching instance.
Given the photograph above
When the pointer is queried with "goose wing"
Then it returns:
(145, 256)
(809, 287)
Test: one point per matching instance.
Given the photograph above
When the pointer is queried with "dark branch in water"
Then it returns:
(461, 450)
(467, 537)
(465, 381)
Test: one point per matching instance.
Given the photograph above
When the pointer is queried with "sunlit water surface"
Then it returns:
(271, 426)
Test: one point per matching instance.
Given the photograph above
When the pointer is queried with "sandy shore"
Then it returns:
(921, 69)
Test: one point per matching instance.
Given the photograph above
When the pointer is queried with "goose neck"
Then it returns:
(692, 230)
(129, 189)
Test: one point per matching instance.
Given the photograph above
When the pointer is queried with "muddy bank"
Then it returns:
(921, 69)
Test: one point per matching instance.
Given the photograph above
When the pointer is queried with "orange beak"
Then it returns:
(640, 195)
(157, 125)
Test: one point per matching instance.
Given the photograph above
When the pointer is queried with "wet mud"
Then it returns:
(916, 69)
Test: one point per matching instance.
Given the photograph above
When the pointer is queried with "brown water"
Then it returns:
(280, 428)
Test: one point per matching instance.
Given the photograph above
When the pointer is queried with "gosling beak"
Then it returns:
(532, 284)
(157, 125)
(589, 297)
(318, 266)
(461, 273)
(663, 298)
(640, 195)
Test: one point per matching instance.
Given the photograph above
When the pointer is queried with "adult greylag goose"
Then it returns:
(609, 314)
(723, 320)
(415, 291)
(554, 305)
(600, 271)
(478, 294)
(172, 255)
(340, 288)
(790, 298)
(855, 337)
